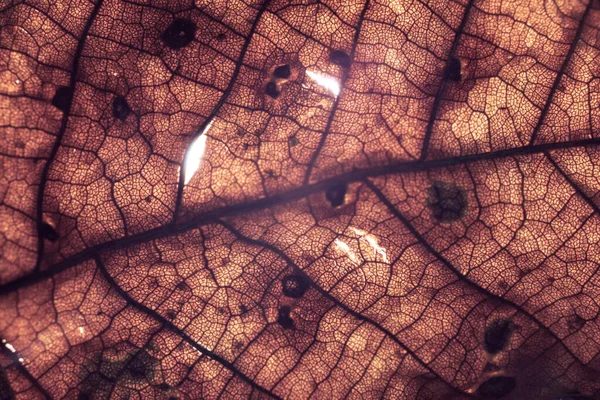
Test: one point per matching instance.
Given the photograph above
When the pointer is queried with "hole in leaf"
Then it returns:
(339, 57)
(497, 387)
(336, 194)
(62, 98)
(497, 335)
(284, 319)
(453, 69)
(446, 201)
(120, 108)
(179, 34)
(271, 90)
(295, 286)
(282, 72)
(48, 232)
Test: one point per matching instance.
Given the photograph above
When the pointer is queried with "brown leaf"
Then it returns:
(231, 199)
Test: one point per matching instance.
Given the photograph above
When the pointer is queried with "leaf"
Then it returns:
(297, 199)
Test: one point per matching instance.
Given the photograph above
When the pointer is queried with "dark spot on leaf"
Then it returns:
(284, 319)
(575, 322)
(183, 286)
(446, 201)
(243, 309)
(6, 391)
(120, 108)
(336, 193)
(293, 140)
(62, 98)
(340, 58)
(179, 34)
(238, 345)
(221, 36)
(48, 232)
(141, 366)
(497, 335)
(294, 286)
(82, 396)
(171, 315)
(453, 69)
(221, 310)
(282, 72)
(573, 395)
(148, 199)
(164, 386)
(271, 90)
(497, 387)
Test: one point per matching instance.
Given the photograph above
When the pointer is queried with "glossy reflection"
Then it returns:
(195, 154)
(325, 81)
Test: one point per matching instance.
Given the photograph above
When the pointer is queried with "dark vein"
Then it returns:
(165, 322)
(573, 184)
(263, 203)
(60, 134)
(14, 358)
(217, 107)
(560, 74)
(461, 277)
(441, 90)
(336, 102)
(334, 300)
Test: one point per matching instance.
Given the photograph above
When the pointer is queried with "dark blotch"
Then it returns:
(336, 194)
(573, 395)
(282, 72)
(340, 58)
(179, 34)
(497, 387)
(6, 391)
(164, 386)
(295, 286)
(453, 69)
(271, 90)
(120, 108)
(446, 201)
(48, 232)
(62, 98)
(221, 37)
(141, 366)
(497, 335)
(284, 318)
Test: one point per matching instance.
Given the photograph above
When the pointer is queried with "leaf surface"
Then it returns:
(272, 199)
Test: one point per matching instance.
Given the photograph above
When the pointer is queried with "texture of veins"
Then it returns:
(313, 199)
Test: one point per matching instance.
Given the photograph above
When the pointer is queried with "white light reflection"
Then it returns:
(81, 330)
(344, 248)
(195, 153)
(10, 347)
(325, 81)
(372, 241)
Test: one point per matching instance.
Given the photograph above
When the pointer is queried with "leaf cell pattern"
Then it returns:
(308, 199)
